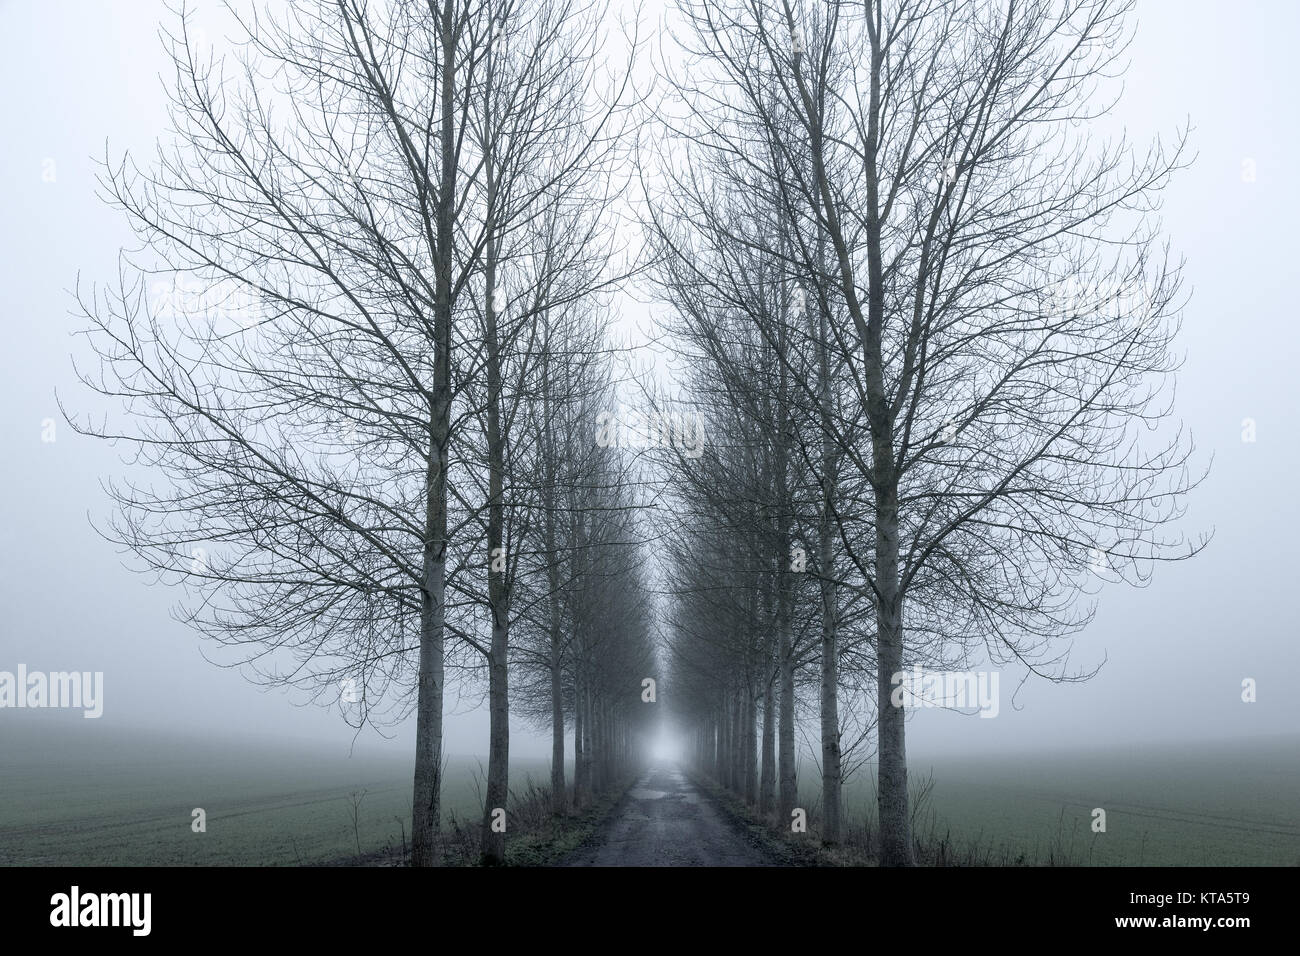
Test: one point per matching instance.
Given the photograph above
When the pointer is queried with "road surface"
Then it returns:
(664, 820)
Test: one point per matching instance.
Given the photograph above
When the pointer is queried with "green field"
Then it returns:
(73, 797)
(1218, 804)
(89, 795)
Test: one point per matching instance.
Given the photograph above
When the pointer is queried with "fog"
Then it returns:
(78, 76)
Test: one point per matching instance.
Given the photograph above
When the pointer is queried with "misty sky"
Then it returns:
(76, 74)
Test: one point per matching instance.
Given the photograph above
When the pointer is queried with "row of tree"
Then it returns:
(927, 321)
(369, 455)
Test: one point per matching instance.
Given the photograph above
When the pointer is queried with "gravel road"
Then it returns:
(664, 820)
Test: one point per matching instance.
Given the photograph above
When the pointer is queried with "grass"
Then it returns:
(1220, 804)
(88, 795)
(538, 837)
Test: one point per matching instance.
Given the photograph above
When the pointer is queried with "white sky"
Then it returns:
(78, 73)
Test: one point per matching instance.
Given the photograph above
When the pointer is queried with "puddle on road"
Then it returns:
(639, 794)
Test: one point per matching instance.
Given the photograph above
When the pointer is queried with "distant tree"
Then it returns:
(547, 161)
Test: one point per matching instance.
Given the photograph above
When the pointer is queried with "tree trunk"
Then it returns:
(767, 775)
(498, 773)
(832, 828)
(751, 744)
(738, 743)
(588, 744)
(579, 729)
(598, 731)
(425, 807)
(895, 823)
(559, 796)
(426, 811)
(832, 772)
(789, 792)
(498, 782)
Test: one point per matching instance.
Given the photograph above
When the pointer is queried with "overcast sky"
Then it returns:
(77, 74)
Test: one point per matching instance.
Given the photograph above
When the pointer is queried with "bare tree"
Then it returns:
(328, 193)
(548, 149)
(574, 388)
(937, 192)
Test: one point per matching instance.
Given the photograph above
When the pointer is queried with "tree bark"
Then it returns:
(789, 791)
(425, 804)
(895, 822)
(579, 751)
(751, 744)
(832, 828)
(832, 771)
(498, 773)
(559, 794)
(767, 775)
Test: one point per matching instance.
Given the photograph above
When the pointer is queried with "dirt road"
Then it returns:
(666, 821)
